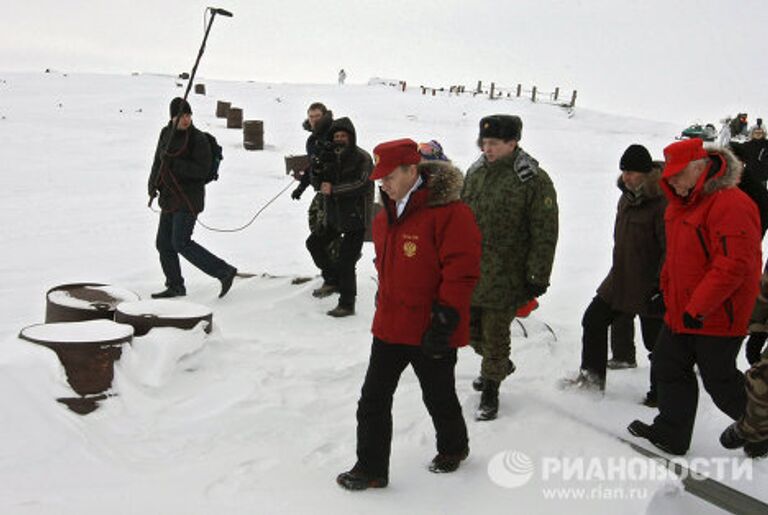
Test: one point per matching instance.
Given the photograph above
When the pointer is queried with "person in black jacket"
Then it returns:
(347, 192)
(178, 177)
(754, 155)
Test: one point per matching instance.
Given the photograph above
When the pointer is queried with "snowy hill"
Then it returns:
(259, 416)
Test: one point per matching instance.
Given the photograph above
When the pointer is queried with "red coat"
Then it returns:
(431, 253)
(713, 262)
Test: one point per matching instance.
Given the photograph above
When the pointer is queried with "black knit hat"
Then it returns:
(179, 104)
(636, 159)
(501, 126)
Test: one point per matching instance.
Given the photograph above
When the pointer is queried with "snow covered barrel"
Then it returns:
(84, 301)
(143, 315)
(235, 118)
(222, 108)
(253, 135)
(88, 351)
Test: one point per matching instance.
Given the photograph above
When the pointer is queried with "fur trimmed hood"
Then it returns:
(651, 188)
(444, 181)
(733, 169)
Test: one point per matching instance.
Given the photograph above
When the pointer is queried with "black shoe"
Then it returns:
(586, 381)
(356, 480)
(226, 281)
(643, 430)
(325, 290)
(732, 438)
(617, 364)
(444, 463)
(756, 449)
(489, 401)
(651, 400)
(170, 292)
(341, 311)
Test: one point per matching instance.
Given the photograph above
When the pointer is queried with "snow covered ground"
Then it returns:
(259, 416)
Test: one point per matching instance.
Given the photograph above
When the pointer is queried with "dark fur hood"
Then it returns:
(651, 188)
(444, 181)
(733, 169)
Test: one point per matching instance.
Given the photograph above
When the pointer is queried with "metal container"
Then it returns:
(235, 118)
(144, 315)
(253, 135)
(84, 301)
(222, 109)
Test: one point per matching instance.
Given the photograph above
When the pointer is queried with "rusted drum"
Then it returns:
(143, 315)
(222, 109)
(88, 351)
(253, 135)
(235, 118)
(200, 89)
(84, 301)
(296, 165)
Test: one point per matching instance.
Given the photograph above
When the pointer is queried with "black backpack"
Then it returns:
(216, 157)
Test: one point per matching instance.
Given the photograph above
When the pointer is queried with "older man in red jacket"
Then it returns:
(428, 261)
(710, 281)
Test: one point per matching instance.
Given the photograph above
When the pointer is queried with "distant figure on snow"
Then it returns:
(342, 77)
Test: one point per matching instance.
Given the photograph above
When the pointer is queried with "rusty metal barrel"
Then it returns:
(253, 135)
(144, 315)
(200, 89)
(84, 301)
(88, 351)
(296, 165)
(235, 118)
(222, 108)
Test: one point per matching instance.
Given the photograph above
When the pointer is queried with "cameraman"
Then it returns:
(347, 195)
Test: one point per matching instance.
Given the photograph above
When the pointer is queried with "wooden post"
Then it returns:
(519, 89)
(557, 93)
(423, 90)
(573, 99)
(493, 86)
(434, 92)
(403, 85)
(533, 94)
(479, 87)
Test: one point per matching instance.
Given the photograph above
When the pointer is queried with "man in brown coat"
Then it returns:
(632, 285)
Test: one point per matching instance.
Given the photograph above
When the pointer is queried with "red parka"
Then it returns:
(713, 262)
(430, 254)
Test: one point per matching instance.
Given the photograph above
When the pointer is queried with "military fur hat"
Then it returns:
(501, 126)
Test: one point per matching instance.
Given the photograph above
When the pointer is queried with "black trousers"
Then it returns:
(673, 359)
(342, 271)
(374, 410)
(623, 338)
(594, 351)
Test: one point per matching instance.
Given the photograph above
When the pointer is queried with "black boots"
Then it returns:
(445, 463)
(356, 479)
(733, 439)
(170, 292)
(489, 401)
(226, 281)
(643, 430)
(326, 290)
(342, 310)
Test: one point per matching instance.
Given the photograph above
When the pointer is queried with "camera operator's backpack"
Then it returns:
(216, 157)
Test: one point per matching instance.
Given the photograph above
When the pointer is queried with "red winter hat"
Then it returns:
(391, 154)
(679, 154)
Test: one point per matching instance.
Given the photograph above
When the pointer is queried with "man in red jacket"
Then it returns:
(428, 261)
(710, 281)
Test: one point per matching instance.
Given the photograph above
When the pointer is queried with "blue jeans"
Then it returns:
(174, 237)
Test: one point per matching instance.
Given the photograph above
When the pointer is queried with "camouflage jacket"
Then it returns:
(515, 205)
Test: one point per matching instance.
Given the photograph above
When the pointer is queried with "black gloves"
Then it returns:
(535, 290)
(755, 345)
(655, 304)
(437, 339)
(296, 194)
(691, 322)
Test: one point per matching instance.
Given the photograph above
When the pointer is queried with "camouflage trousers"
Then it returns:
(316, 215)
(489, 335)
(754, 424)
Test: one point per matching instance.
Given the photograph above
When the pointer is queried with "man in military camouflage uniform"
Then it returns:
(515, 204)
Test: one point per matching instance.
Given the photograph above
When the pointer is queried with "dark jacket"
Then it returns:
(180, 182)
(429, 255)
(754, 155)
(349, 206)
(317, 135)
(713, 262)
(638, 248)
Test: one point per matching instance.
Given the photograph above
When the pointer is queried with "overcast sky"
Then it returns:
(677, 60)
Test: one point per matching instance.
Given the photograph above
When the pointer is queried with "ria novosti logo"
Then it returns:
(510, 469)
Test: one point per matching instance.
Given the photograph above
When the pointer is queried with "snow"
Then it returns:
(89, 331)
(164, 308)
(64, 297)
(259, 416)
